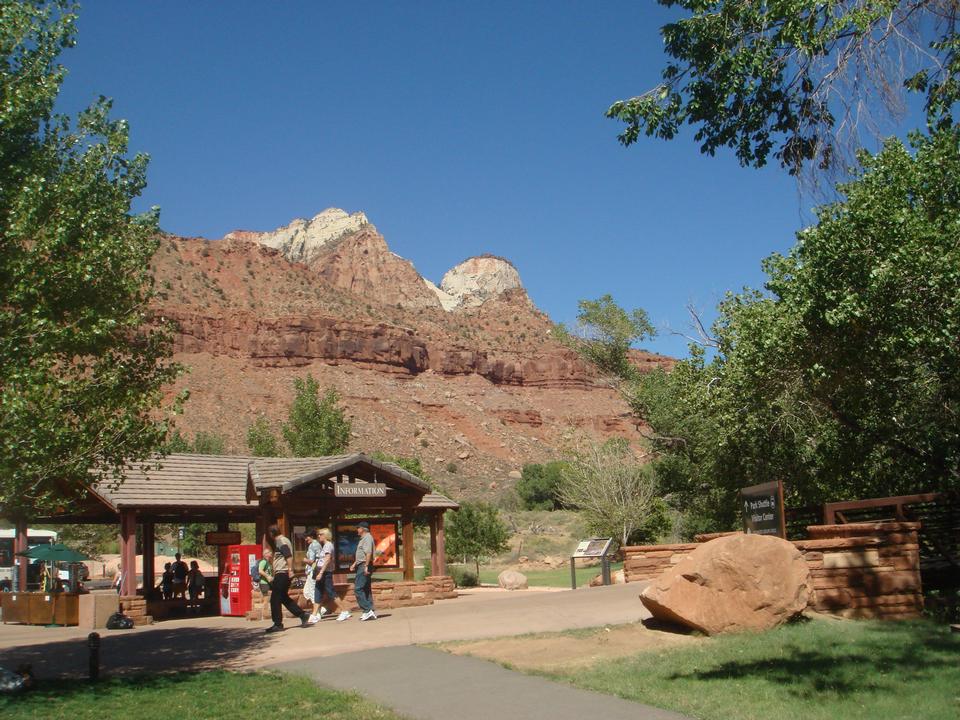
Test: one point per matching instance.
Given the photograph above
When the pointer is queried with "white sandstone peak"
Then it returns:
(476, 280)
(302, 239)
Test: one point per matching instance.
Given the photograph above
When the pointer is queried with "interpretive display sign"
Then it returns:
(594, 547)
(385, 532)
(763, 512)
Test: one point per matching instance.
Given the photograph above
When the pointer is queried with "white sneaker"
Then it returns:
(314, 619)
(369, 615)
(323, 611)
(345, 615)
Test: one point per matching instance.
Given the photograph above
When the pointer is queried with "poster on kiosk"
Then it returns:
(236, 580)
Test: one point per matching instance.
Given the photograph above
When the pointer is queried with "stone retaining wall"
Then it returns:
(865, 569)
(862, 570)
(135, 608)
(386, 595)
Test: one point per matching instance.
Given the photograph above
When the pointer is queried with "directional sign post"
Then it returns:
(763, 511)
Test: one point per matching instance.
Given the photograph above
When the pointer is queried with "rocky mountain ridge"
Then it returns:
(465, 375)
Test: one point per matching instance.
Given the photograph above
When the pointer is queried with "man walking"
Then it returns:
(363, 566)
(280, 587)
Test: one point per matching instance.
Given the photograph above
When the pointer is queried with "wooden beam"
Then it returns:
(128, 552)
(434, 564)
(21, 544)
(407, 521)
(441, 546)
(149, 579)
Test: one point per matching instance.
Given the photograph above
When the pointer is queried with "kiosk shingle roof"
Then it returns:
(183, 479)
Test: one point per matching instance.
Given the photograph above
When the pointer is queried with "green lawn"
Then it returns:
(190, 696)
(817, 670)
(559, 577)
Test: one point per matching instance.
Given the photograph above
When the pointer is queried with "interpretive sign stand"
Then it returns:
(763, 512)
(592, 548)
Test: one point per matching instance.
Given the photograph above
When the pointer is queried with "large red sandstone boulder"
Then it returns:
(732, 584)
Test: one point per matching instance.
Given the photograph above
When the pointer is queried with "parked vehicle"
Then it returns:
(8, 566)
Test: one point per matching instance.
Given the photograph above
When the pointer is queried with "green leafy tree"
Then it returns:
(617, 494)
(82, 364)
(798, 79)
(316, 425)
(203, 443)
(539, 485)
(604, 334)
(261, 440)
(411, 464)
(92, 540)
(840, 377)
(476, 531)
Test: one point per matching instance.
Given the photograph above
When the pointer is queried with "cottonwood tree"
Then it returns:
(82, 371)
(261, 439)
(801, 80)
(617, 494)
(316, 425)
(840, 375)
(476, 531)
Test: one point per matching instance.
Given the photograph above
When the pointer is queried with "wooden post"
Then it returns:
(441, 546)
(261, 524)
(149, 580)
(128, 552)
(21, 544)
(407, 521)
(221, 550)
(434, 560)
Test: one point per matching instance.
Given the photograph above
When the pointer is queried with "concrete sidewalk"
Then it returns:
(427, 684)
(234, 643)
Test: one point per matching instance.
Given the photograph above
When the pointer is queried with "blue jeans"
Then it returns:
(361, 588)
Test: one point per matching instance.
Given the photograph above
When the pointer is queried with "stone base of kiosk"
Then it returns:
(387, 595)
(96, 608)
(135, 608)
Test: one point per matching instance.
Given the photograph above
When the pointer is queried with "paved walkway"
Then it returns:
(205, 643)
(432, 685)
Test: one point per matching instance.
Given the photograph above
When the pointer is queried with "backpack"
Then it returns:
(255, 573)
(119, 621)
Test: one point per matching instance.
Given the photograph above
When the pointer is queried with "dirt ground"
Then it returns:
(572, 649)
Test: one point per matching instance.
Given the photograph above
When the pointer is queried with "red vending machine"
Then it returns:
(236, 580)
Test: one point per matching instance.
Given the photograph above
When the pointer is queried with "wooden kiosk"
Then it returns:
(293, 493)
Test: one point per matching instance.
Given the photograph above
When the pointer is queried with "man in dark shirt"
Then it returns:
(280, 587)
(180, 571)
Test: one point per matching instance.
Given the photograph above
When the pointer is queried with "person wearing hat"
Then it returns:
(282, 550)
(363, 566)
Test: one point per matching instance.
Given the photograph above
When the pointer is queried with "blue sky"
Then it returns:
(458, 128)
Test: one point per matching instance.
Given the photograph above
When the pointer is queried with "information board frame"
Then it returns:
(591, 548)
(386, 551)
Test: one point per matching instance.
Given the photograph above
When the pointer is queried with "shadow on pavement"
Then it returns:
(150, 651)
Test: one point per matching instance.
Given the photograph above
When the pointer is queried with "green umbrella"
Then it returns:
(54, 553)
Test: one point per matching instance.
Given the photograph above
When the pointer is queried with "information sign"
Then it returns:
(359, 490)
(763, 512)
(223, 537)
